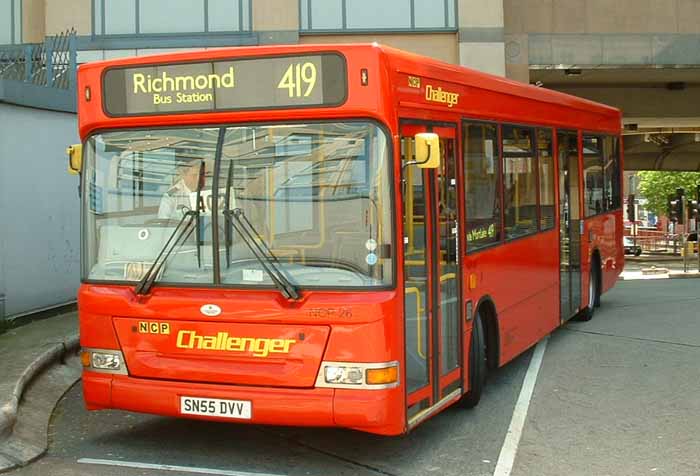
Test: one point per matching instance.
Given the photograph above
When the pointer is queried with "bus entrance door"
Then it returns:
(569, 223)
(432, 282)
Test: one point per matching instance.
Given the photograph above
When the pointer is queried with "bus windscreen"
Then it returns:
(250, 83)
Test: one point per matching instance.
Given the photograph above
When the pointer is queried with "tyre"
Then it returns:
(638, 252)
(593, 296)
(477, 365)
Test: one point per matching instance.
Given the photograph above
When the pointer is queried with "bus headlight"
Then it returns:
(103, 360)
(345, 375)
(358, 375)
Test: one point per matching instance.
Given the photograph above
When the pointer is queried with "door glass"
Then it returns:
(569, 223)
(575, 222)
(415, 270)
(448, 226)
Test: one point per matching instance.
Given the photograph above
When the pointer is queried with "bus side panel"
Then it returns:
(521, 277)
(602, 233)
(611, 252)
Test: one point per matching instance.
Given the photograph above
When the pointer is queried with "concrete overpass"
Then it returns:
(642, 56)
(661, 106)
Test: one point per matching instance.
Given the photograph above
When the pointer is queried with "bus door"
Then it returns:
(569, 225)
(431, 286)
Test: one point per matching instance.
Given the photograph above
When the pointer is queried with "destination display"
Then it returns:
(259, 83)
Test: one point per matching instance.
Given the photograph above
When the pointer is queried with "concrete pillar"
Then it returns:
(481, 43)
(33, 14)
(62, 15)
(276, 21)
(522, 17)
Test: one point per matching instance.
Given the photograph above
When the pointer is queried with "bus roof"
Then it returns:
(472, 77)
(394, 60)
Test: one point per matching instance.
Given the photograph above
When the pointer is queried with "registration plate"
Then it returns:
(239, 409)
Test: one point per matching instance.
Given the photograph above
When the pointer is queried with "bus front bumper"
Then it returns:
(373, 411)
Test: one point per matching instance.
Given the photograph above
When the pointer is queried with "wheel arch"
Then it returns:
(597, 264)
(487, 310)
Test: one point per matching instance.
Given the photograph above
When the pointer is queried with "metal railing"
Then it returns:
(51, 63)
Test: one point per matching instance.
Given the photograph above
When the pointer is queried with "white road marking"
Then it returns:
(169, 467)
(506, 458)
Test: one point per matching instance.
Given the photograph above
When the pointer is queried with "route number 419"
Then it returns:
(297, 77)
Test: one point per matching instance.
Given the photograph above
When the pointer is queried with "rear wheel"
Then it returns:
(593, 296)
(477, 365)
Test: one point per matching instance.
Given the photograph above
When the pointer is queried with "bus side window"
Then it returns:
(519, 182)
(482, 194)
(546, 166)
(593, 175)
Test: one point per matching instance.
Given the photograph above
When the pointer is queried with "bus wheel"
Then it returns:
(477, 365)
(593, 298)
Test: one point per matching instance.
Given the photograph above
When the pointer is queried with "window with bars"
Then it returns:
(130, 17)
(386, 15)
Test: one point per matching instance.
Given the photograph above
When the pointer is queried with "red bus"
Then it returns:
(327, 235)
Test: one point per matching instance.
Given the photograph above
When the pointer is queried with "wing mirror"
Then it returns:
(75, 158)
(427, 150)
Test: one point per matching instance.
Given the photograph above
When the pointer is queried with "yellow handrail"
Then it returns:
(419, 331)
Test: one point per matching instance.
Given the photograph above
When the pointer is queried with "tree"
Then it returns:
(657, 186)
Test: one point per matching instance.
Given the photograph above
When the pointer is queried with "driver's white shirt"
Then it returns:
(175, 201)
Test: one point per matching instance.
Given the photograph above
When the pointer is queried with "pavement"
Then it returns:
(650, 266)
(38, 359)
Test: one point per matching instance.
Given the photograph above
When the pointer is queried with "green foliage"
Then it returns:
(657, 186)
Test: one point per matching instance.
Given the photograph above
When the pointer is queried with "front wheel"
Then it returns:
(477, 365)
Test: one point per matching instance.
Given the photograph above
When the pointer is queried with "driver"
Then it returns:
(177, 199)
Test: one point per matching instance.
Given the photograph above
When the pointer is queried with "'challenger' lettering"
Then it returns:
(222, 341)
(438, 95)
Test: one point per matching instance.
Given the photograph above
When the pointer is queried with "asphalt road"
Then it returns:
(619, 395)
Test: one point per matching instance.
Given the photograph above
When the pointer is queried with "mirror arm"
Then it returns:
(417, 162)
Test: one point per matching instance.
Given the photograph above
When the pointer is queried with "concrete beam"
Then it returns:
(671, 152)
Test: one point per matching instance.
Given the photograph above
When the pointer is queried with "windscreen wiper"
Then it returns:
(199, 206)
(176, 239)
(227, 213)
(262, 252)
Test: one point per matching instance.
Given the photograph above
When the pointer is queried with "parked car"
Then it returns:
(630, 247)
